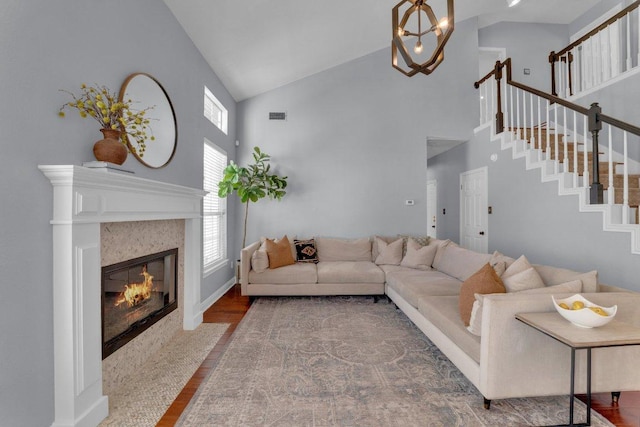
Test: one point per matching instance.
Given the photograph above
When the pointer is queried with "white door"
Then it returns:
(473, 210)
(432, 208)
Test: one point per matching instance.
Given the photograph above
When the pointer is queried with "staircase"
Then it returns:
(556, 137)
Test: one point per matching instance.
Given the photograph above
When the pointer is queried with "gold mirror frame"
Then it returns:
(146, 91)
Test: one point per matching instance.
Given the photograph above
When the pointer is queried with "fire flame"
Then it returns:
(136, 293)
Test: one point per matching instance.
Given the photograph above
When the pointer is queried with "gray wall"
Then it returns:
(354, 143)
(529, 217)
(528, 45)
(48, 46)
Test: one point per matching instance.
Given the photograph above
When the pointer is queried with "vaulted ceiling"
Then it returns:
(257, 46)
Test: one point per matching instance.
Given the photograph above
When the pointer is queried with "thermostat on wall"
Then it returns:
(409, 202)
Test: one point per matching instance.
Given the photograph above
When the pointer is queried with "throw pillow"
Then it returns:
(306, 250)
(518, 266)
(527, 279)
(475, 322)
(389, 253)
(418, 256)
(484, 281)
(260, 260)
(279, 252)
(421, 240)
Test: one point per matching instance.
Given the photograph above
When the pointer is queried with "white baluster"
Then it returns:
(575, 149)
(556, 156)
(610, 189)
(511, 112)
(548, 138)
(518, 112)
(532, 137)
(539, 145)
(628, 16)
(605, 54)
(524, 116)
(567, 91)
(560, 79)
(507, 107)
(494, 105)
(638, 31)
(565, 142)
(598, 57)
(625, 183)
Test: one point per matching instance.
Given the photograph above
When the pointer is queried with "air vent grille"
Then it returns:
(273, 115)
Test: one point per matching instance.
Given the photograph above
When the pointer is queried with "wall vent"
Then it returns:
(277, 115)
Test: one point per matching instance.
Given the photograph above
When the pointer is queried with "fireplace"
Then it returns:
(136, 294)
(84, 201)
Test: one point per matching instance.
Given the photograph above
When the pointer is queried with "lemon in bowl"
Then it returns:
(582, 312)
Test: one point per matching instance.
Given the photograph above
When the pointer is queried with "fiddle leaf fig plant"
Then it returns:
(252, 183)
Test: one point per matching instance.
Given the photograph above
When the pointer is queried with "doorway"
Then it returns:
(473, 210)
(432, 208)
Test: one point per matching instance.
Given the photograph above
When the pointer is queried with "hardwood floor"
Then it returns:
(232, 307)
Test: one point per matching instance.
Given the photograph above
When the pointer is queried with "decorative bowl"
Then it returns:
(585, 317)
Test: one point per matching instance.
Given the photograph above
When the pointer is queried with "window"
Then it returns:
(215, 111)
(214, 213)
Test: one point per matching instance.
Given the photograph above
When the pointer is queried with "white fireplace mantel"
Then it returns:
(82, 199)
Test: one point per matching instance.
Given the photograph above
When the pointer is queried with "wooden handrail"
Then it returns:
(599, 28)
(593, 115)
(557, 100)
(559, 56)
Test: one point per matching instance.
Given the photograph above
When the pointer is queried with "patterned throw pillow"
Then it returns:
(306, 250)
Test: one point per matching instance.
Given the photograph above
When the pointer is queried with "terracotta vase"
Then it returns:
(110, 149)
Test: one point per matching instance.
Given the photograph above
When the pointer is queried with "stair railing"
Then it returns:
(554, 127)
(600, 55)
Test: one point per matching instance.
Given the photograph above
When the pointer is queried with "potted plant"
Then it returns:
(252, 183)
(116, 118)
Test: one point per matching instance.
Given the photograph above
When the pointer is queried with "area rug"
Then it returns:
(347, 361)
(145, 397)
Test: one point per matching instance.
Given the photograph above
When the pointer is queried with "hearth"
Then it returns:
(135, 295)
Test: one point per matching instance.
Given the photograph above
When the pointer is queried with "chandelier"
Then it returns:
(420, 24)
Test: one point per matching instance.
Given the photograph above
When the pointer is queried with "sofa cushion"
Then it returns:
(554, 276)
(527, 279)
(343, 249)
(518, 266)
(349, 272)
(413, 284)
(279, 252)
(419, 256)
(389, 253)
(573, 286)
(484, 281)
(443, 313)
(306, 250)
(459, 262)
(291, 274)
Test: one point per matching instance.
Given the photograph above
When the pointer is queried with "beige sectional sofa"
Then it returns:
(501, 356)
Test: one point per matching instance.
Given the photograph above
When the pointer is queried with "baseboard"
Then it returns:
(204, 305)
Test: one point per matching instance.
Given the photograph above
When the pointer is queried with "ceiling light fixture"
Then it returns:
(442, 30)
(512, 3)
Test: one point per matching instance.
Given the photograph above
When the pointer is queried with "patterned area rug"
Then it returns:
(146, 397)
(345, 361)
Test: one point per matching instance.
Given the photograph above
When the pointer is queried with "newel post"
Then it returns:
(499, 115)
(552, 61)
(595, 126)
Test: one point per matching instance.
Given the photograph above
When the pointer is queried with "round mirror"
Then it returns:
(145, 91)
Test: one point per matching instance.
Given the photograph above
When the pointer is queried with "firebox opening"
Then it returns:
(135, 295)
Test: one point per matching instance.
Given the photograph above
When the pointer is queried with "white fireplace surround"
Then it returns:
(82, 199)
